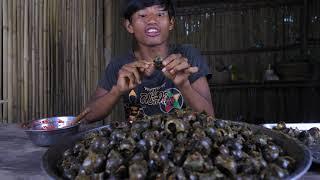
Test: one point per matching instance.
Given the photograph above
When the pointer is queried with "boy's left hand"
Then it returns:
(177, 68)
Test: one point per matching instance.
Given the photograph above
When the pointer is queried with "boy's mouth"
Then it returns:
(152, 31)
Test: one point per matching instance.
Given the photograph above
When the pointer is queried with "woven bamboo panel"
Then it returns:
(51, 56)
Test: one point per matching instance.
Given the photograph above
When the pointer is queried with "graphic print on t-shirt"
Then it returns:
(158, 99)
(172, 99)
(133, 109)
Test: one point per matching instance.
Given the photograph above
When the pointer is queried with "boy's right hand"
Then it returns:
(130, 75)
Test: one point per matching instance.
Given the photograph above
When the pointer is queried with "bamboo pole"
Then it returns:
(77, 59)
(41, 60)
(73, 59)
(38, 60)
(59, 57)
(33, 63)
(87, 49)
(69, 32)
(1, 62)
(51, 57)
(64, 13)
(84, 47)
(99, 39)
(50, 60)
(56, 59)
(19, 43)
(10, 64)
(45, 57)
(25, 62)
(95, 34)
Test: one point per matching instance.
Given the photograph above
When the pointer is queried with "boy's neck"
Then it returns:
(148, 53)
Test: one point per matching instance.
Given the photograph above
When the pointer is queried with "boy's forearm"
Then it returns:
(195, 100)
(102, 106)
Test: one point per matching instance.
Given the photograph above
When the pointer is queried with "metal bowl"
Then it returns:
(49, 131)
(292, 146)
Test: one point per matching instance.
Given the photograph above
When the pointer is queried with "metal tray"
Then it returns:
(294, 148)
(315, 149)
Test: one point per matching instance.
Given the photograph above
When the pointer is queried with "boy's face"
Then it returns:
(150, 25)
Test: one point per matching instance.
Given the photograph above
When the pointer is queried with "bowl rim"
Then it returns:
(56, 129)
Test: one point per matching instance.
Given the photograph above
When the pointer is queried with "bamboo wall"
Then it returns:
(52, 55)
(249, 37)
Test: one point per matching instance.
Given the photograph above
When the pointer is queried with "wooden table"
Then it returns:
(20, 159)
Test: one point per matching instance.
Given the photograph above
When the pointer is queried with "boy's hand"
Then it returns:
(129, 75)
(178, 69)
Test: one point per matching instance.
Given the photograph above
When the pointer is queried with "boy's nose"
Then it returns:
(152, 18)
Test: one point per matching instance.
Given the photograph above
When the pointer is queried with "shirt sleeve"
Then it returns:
(197, 60)
(109, 77)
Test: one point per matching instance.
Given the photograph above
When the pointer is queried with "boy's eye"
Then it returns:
(161, 14)
(142, 15)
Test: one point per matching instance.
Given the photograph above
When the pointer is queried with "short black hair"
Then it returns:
(132, 6)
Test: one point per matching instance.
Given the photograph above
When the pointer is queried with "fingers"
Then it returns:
(140, 64)
(134, 72)
(192, 70)
(129, 75)
(123, 73)
(175, 63)
(180, 67)
(171, 61)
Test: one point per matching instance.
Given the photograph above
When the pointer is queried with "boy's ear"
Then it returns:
(128, 26)
(171, 25)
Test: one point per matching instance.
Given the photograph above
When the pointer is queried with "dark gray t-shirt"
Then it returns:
(156, 94)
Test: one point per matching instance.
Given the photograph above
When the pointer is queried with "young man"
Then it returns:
(146, 90)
